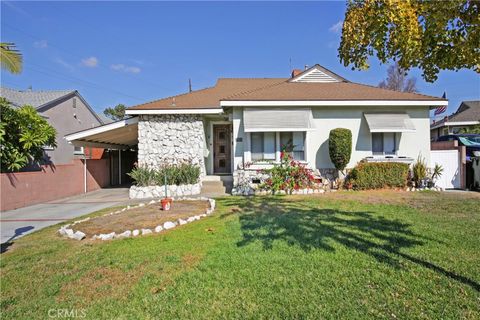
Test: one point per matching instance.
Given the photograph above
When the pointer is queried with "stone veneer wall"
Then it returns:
(170, 139)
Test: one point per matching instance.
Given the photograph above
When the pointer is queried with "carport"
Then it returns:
(119, 139)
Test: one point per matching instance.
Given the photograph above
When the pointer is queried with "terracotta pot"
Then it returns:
(166, 203)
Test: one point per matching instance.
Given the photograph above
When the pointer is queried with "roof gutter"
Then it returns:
(173, 111)
(455, 123)
(292, 103)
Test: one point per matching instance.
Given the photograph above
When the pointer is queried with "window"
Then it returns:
(293, 142)
(263, 145)
(74, 103)
(384, 143)
(78, 150)
(377, 143)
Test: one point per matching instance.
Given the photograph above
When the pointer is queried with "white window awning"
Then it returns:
(389, 122)
(277, 119)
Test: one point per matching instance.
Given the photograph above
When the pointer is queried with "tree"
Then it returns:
(11, 58)
(430, 35)
(115, 113)
(397, 80)
(23, 135)
(340, 147)
(473, 129)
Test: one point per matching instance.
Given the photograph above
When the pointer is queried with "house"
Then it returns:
(66, 170)
(241, 125)
(466, 116)
(65, 110)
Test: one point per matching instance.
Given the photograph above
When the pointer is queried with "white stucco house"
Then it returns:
(243, 121)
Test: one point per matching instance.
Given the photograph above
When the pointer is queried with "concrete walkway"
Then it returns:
(19, 222)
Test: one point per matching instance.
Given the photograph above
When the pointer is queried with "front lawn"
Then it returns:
(339, 255)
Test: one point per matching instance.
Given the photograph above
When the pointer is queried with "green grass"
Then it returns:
(342, 255)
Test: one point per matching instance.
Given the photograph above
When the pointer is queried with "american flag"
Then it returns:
(440, 110)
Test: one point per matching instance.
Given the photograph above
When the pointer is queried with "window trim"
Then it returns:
(249, 154)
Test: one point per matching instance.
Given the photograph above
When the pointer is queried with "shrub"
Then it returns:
(377, 175)
(23, 135)
(340, 147)
(419, 170)
(184, 173)
(288, 175)
(437, 171)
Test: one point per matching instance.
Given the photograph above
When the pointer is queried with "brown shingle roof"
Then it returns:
(209, 97)
(326, 91)
(277, 89)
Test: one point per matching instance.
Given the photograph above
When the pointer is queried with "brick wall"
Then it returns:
(26, 188)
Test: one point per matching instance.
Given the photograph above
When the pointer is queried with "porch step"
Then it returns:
(216, 188)
(218, 178)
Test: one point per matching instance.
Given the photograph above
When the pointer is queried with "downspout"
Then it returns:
(84, 172)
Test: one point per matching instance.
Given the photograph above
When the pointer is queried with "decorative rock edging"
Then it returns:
(425, 189)
(159, 191)
(259, 192)
(68, 232)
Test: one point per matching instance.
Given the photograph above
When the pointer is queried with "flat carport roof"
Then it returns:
(118, 135)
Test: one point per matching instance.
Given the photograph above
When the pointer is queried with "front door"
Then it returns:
(222, 145)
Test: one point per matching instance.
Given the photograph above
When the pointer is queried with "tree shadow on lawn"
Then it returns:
(271, 219)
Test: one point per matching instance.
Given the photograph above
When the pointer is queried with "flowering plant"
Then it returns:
(289, 175)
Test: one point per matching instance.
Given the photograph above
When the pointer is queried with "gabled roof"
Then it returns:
(468, 111)
(36, 99)
(41, 99)
(317, 73)
(314, 84)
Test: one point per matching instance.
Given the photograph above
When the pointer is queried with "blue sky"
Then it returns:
(133, 52)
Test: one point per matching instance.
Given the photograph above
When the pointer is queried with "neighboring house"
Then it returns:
(467, 115)
(241, 125)
(65, 110)
(104, 118)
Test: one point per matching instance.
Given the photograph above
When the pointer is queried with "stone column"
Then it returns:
(170, 139)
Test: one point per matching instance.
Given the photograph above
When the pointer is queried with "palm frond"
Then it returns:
(11, 59)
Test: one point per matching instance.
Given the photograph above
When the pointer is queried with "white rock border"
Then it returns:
(67, 230)
(438, 189)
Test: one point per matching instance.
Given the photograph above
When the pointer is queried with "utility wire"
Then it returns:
(36, 38)
(82, 82)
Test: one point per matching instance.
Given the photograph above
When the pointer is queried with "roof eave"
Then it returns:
(245, 103)
(211, 110)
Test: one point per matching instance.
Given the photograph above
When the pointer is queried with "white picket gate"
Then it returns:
(450, 161)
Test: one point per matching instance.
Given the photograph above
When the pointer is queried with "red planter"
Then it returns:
(166, 203)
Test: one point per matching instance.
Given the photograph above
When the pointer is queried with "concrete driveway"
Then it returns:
(19, 222)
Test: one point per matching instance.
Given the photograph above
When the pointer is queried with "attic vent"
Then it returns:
(315, 75)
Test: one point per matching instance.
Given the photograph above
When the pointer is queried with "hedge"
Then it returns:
(377, 175)
(340, 147)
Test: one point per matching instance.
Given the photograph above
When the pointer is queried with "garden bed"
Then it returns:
(139, 220)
